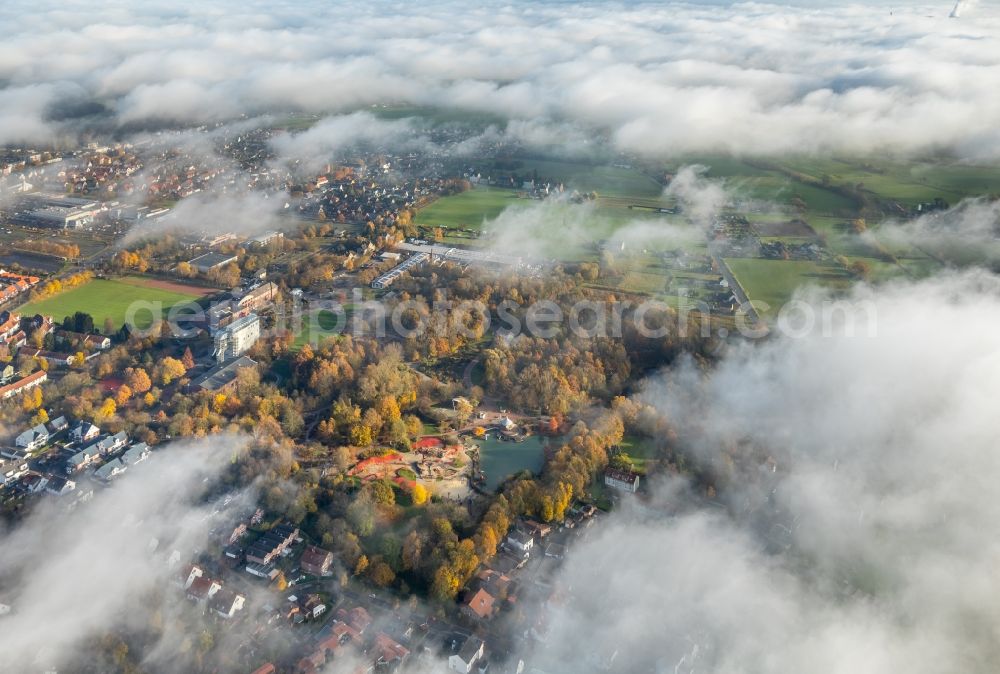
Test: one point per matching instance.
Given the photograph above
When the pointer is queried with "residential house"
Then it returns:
(85, 341)
(555, 550)
(190, 574)
(57, 425)
(358, 618)
(496, 583)
(387, 653)
(60, 486)
(17, 340)
(470, 652)
(110, 470)
(10, 324)
(238, 532)
(33, 483)
(203, 588)
(53, 358)
(625, 480)
(13, 453)
(273, 543)
(520, 541)
(84, 431)
(136, 453)
(316, 561)
(112, 443)
(479, 605)
(11, 470)
(85, 457)
(226, 603)
(115, 467)
(33, 438)
(24, 384)
(266, 571)
(38, 323)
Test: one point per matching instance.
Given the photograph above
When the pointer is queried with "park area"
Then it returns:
(105, 298)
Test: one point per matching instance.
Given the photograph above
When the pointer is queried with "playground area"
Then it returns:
(441, 465)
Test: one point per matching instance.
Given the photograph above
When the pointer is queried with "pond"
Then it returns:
(501, 459)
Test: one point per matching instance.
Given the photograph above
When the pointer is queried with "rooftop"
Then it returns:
(222, 375)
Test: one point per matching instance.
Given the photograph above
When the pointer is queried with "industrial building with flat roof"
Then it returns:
(388, 278)
(209, 261)
(222, 377)
(461, 255)
(41, 209)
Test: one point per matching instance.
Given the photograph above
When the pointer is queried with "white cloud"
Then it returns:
(872, 547)
(77, 575)
(656, 78)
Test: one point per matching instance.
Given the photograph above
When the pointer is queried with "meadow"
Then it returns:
(467, 209)
(775, 281)
(105, 298)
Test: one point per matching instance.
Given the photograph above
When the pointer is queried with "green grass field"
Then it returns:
(610, 181)
(467, 209)
(908, 183)
(102, 298)
(774, 281)
(752, 181)
(321, 325)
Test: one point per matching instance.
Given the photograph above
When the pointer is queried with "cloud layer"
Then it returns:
(861, 533)
(73, 576)
(654, 78)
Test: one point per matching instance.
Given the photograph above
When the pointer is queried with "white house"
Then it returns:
(33, 438)
(191, 573)
(203, 589)
(111, 469)
(520, 541)
(624, 480)
(84, 431)
(227, 603)
(467, 656)
(58, 424)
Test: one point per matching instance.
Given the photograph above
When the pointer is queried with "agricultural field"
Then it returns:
(774, 281)
(104, 298)
(908, 183)
(607, 180)
(792, 200)
(758, 182)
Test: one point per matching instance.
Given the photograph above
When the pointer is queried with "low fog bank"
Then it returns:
(105, 566)
(857, 523)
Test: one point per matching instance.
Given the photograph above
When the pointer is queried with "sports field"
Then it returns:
(467, 209)
(103, 298)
